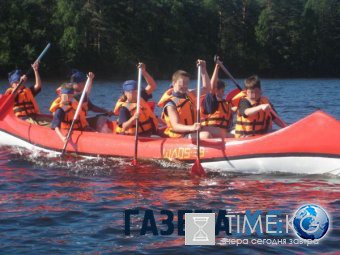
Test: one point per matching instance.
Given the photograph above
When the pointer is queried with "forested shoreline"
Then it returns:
(274, 38)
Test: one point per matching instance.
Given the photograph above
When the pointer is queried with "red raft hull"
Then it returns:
(315, 138)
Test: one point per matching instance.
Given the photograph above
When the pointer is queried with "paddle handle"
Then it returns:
(43, 52)
(30, 69)
(225, 70)
(39, 58)
(139, 88)
(87, 84)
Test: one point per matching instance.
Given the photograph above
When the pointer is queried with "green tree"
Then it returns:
(278, 33)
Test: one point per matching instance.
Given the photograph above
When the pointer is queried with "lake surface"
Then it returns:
(76, 206)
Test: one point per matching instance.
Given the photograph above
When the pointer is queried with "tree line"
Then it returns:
(274, 38)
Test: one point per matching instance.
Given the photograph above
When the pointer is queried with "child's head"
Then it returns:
(253, 87)
(180, 81)
(130, 90)
(14, 77)
(220, 88)
(78, 79)
(66, 92)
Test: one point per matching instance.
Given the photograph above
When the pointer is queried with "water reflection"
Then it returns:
(85, 199)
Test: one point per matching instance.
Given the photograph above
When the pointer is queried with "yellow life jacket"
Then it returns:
(221, 118)
(259, 123)
(70, 110)
(185, 108)
(25, 104)
(147, 122)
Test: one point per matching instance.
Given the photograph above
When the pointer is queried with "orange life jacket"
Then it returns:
(25, 104)
(185, 108)
(70, 110)
(221, 118)
(259, 123)
(147, 122)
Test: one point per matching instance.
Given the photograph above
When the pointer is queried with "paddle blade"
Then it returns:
(197, 169)
(231, 94)
(6, 103)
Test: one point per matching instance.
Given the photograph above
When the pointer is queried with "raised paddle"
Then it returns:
(219, 62)
(7, 101)
(69, 133)
(197, 169)
(239, 89)
(234, 92)
(139, 87)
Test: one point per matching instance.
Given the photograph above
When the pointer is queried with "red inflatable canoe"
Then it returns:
(311, 145)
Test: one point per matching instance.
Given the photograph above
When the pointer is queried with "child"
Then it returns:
(98, 123)
(179, 105)
(128, 115)
(64, 110)
(254, 115)
(216, 113)
(25, 106)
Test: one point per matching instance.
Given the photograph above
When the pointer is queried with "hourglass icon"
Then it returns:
(200, 235)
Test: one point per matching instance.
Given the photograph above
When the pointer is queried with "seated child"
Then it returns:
(254, 114)
(63, 113)
(216, 113)
(126, 109)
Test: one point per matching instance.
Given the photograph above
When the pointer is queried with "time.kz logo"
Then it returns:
(200, 227)
(311, 222)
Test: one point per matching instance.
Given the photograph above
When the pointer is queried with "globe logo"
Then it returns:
(311, 222)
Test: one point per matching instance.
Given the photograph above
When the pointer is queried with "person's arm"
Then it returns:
(152, 85)
(125, 120)
(127, 124)
(214, 79)
(205, 77)
(95, 108)
(253, 110)
(90, 75)
(246, 110)
(36, 88)
(178, 127)
(37, 85)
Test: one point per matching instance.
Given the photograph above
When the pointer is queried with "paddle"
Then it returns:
(87, 84)
(139, 86)
(219, 62)
(7, 101)
(197, 168)
(239, 89)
